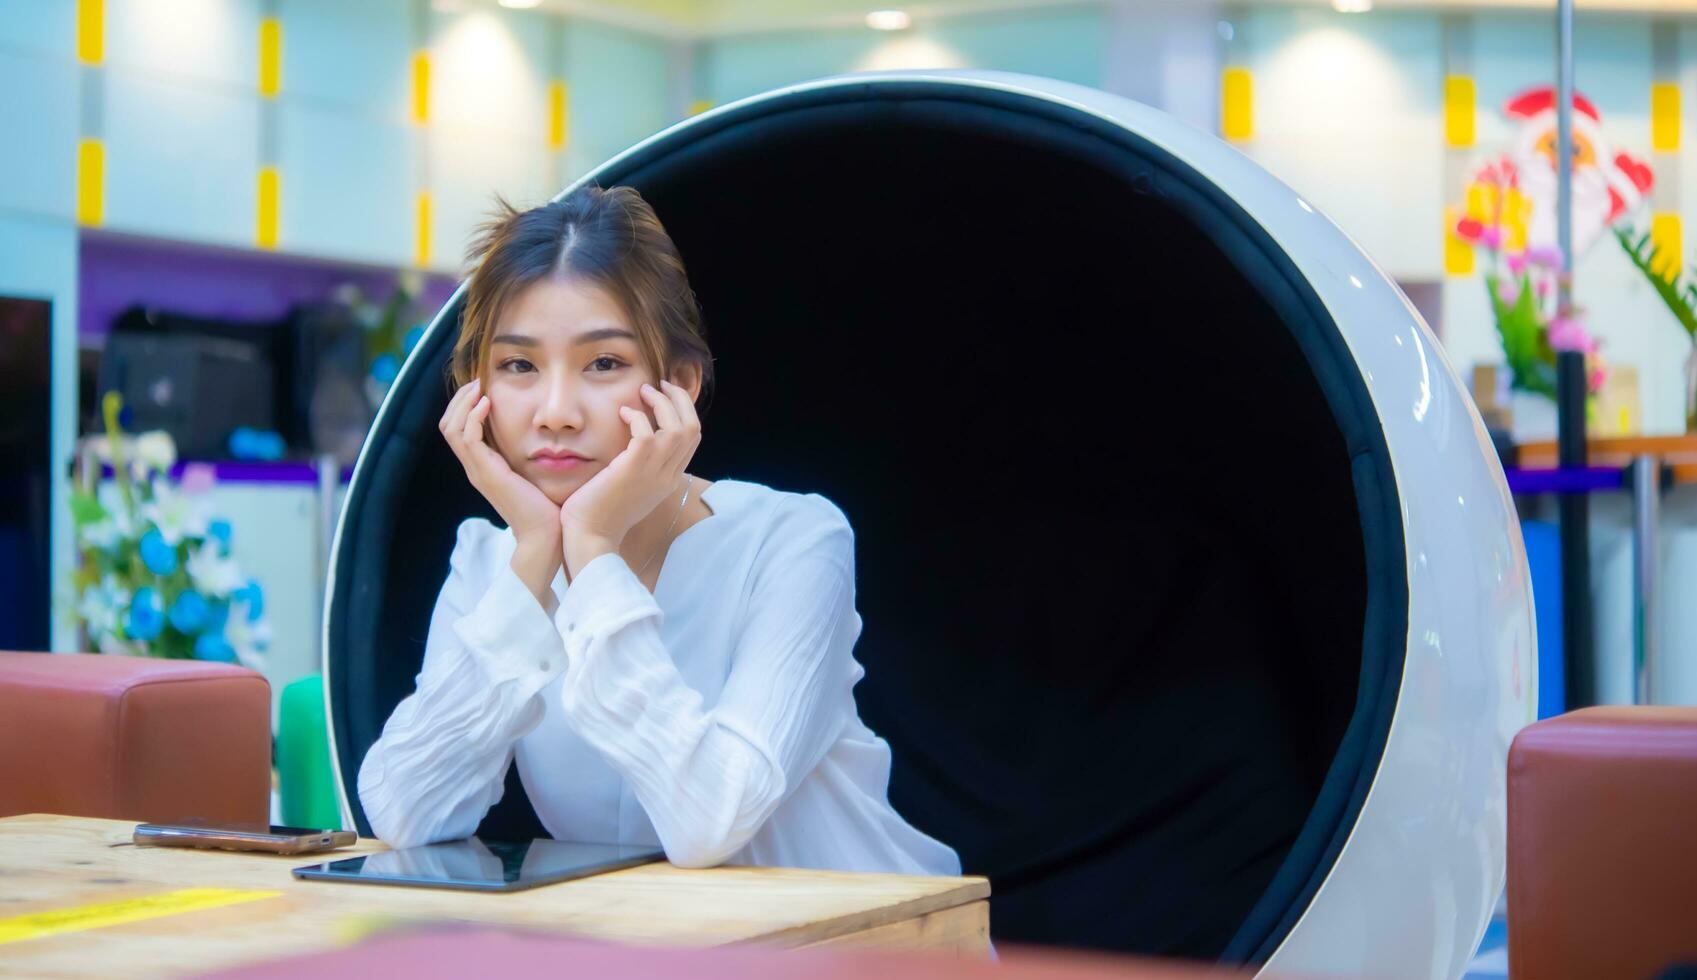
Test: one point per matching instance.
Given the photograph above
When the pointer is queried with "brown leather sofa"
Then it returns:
(1602, 844)
(133, 738)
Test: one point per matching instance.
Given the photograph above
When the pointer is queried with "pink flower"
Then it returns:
(1597, 376)
(1567, 333)
(1547, 256)
(1516, 264)
(198, 477)
(1492, 237)
(1508, 291)
(1543, 287)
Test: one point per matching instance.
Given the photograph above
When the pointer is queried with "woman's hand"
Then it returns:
(598, 515)
(526, 509)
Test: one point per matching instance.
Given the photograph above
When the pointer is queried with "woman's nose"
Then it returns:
(559, 408)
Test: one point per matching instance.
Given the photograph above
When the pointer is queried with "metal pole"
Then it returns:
(324, 531)
(1646, 514)
(1580, 669)
(1564, 154)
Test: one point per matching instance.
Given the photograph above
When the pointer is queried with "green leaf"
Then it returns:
(86, 509)
(1526, 347)
(1681, 303)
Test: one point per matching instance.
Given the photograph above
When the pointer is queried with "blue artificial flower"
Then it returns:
(251, 443)
(384, 367)
(217, 615)
(147, 615)
(412, 338)
(220, 529)
(254, 596)
(159, 557)
(188, 613)
(212, 646)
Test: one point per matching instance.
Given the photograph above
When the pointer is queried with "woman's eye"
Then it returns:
(608, 363)
(516, 364)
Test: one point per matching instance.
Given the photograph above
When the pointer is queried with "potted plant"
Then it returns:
(155, 576)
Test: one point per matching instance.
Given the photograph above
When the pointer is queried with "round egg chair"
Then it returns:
(1196, 611)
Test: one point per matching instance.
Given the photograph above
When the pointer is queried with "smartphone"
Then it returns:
(243, 837)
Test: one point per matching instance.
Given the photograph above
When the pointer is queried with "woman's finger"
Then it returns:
(453, 417)
(685, 405)
(665, 413)
(638, 422)
(472, 430)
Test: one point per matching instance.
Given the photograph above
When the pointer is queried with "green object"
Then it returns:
(1526, 341)
(306, 785)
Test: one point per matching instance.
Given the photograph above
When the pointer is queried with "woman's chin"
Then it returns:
(556, 487)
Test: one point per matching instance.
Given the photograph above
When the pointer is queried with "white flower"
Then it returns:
(108, 643)
(175, 514)
(100, 606)
(101, 446)
(213, 575)
(112, 500)
(102, 534)
(248, 640)
(156, 450)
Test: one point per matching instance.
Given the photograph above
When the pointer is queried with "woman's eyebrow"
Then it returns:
(604, 333)
(516, 339)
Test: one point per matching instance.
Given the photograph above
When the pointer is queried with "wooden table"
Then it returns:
(52, 864)
(1677, 453)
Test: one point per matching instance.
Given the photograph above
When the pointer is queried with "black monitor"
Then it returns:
(26, 432)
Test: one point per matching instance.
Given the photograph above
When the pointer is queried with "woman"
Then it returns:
(668, 660)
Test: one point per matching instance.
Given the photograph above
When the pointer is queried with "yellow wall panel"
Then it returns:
(265, 227)
(421, 249)
(1665, 234)
(421, 88)
(1664, 117)
(1458, 254)
(270, 57)
(1460, 106)
(1237, 116)
(91, 182)
(557, 118)
(91, 31)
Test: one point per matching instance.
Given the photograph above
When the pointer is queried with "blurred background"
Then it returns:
(227, 221)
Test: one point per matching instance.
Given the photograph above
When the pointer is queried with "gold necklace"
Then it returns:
(668, 535)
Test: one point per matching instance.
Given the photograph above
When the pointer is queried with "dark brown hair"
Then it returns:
(610, 238)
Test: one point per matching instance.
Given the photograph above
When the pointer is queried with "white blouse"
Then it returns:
(714, 717)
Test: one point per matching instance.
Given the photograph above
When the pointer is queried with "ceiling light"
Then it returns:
(1352, 6)
(521, 4)
(889, 20)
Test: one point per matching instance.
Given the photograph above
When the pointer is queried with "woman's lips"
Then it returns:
(558, 464)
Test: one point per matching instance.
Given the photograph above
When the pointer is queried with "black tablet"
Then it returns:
(484, 865)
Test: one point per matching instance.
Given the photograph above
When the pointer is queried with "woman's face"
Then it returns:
(563, 359)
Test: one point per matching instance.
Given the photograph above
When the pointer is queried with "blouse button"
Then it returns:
(570, 627)
(544, 665)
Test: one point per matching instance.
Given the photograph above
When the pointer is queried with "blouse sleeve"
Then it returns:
(441, 761)
(708, 778)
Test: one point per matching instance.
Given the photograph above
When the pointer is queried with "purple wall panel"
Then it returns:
(118, 272)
